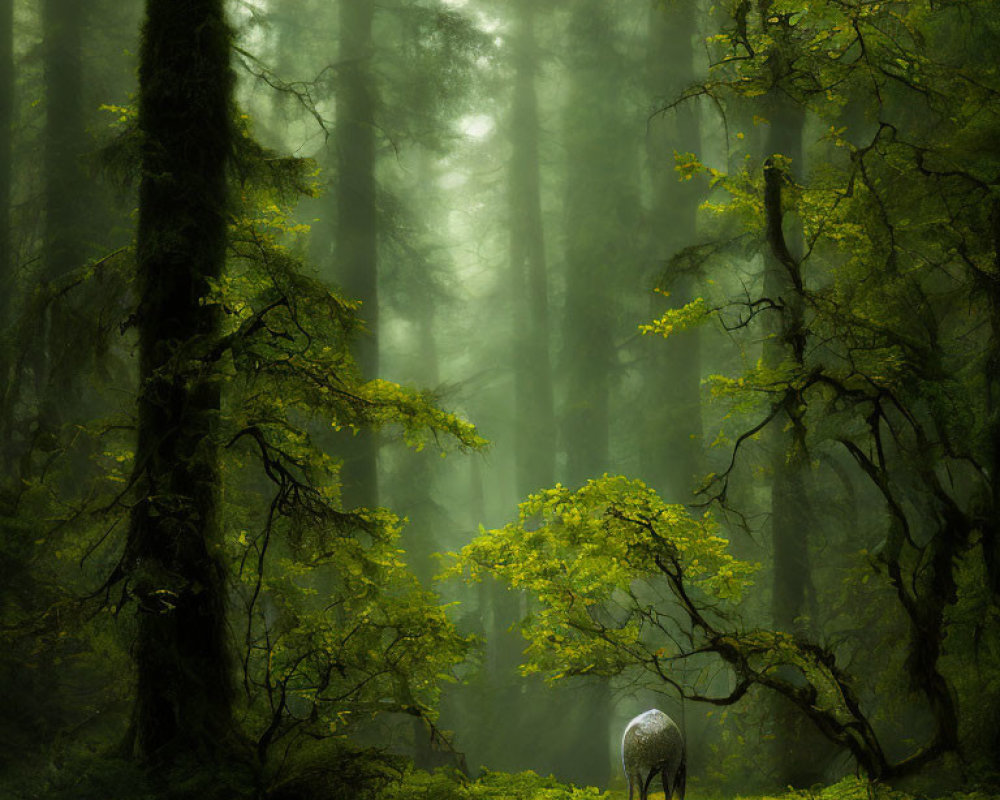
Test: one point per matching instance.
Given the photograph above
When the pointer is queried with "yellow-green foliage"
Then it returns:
(591, 553)
(853, 788)
(675, 320)
(335, 625)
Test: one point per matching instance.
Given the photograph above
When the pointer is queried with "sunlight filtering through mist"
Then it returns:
(476, 126)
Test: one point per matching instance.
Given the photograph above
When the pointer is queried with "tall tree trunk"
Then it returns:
(6, 156)
(6, 237)
(515, 699)
(65, 196)
(670, 447)
(798, 751)
(991, 531)
(416, 494)
(592, 243)
(356, 252)
(534, 439)
(411, 485)
(183, 699)
(790, 510)
(64, 134)
(600, 212)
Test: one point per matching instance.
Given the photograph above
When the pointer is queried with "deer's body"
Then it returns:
(653, 744)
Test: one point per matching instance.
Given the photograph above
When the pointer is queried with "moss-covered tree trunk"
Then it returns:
(670, 444)
(183, 701)
(357, 225)
(534, 436)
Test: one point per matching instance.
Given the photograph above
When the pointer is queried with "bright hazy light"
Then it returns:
(476, 126)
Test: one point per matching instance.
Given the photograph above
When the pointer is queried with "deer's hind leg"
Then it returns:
(668, 790)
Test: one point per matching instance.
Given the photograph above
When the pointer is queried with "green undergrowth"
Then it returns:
(354, 775)
(860, 789)
(443, 785)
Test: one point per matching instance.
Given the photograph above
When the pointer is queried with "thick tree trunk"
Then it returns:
(534, 438)
(357, 225)
(670, 446)
(183, 702)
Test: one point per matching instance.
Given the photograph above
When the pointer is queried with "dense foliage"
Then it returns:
(745, 253)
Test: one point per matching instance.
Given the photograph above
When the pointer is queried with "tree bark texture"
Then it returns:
(183, 702)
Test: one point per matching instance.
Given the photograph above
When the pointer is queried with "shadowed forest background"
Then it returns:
(399, 397)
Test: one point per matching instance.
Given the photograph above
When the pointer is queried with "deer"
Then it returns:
(653, 744)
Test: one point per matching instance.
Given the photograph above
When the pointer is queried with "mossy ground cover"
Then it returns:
(531, 786)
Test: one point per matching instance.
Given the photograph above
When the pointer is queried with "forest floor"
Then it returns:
(530, 786)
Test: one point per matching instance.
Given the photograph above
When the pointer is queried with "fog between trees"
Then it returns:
(442, 383)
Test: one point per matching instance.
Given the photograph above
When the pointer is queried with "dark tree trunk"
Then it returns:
(6, 156)
(534, 438)
(6, 238)
(183, 702)
(798, 752)
(65, 197)
(670, 446)
(991, 530)
(356, 255)
(64, 135)
(790, 510)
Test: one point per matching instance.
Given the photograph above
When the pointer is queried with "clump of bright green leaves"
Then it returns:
(594, 559)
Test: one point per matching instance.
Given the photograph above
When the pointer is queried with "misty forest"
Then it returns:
(508, 399)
